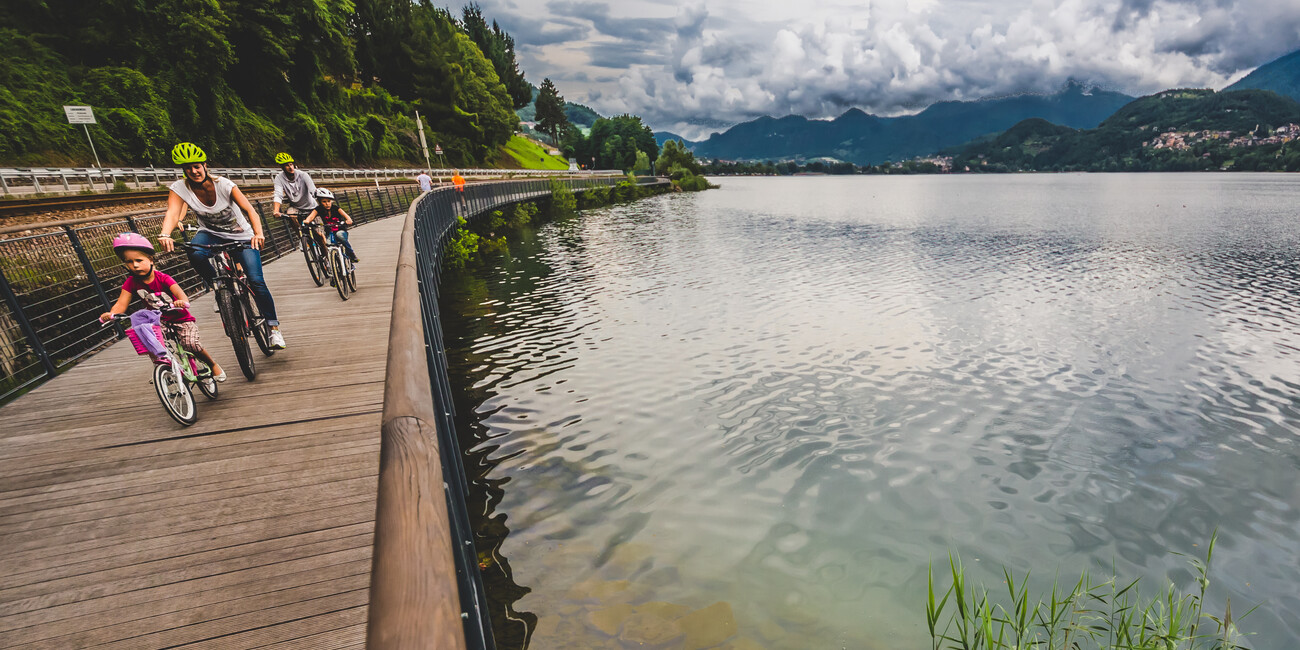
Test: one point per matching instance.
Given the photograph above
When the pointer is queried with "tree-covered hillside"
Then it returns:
(1175, 130)
(327, 80)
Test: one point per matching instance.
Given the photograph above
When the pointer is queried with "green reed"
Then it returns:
(1090, 613)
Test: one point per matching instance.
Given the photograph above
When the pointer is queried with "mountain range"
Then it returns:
(866, 139)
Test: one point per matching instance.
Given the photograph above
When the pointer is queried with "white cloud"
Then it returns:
(697, 67)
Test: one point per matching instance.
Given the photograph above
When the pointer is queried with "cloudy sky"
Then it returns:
(697, 67)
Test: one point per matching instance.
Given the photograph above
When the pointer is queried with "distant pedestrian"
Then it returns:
(426, 183)
(459, 182)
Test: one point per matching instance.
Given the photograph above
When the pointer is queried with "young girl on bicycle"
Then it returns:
(224, 215)
(144, 280)
(335, 219)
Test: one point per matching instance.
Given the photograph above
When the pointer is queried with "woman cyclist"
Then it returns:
(224, 215)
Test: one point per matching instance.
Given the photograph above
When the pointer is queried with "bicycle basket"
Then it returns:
(139, 345)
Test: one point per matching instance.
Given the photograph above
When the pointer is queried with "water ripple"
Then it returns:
(790, 394)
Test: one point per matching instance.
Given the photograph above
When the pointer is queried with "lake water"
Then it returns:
(789, 395)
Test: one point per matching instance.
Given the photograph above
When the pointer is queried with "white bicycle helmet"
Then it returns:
(323, 193)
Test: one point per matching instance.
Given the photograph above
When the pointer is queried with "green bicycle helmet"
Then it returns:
(283, 158)
(188, 152)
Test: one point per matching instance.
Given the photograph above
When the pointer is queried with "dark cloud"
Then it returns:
(621, 55)
(633, 29)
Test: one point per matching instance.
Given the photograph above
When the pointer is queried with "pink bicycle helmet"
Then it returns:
(134, 240)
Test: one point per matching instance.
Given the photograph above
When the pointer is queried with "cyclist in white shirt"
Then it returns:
(294, 188)
(224, 215)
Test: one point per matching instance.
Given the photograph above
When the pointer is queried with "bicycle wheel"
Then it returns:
(233, 317)
(256, 323)
(206, 383)
(336, 265)
(309, 253)
(352, 275)
(174, 394)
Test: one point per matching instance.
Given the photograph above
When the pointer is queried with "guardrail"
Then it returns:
(15, 180)
(53, 285)
(424, 543)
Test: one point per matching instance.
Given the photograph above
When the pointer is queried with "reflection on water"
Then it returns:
(767, 407)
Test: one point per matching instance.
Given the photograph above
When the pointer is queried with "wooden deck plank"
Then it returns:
(252, 528)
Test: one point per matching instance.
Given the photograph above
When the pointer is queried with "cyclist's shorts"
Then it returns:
(189, 336)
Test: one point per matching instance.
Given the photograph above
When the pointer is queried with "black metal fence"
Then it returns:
(54, 285)
(435, 221)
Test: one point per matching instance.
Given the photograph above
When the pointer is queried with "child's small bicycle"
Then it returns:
(343, 271)
(175, 370)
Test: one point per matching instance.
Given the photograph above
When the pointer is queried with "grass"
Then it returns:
(527, 153)
(1107, 615)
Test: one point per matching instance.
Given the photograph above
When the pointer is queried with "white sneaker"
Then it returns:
(277, 340)
(221, 378)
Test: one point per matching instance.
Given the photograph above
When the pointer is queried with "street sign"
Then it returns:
(79, 114)
(437, 149)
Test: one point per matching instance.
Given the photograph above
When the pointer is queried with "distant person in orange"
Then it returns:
(459, 181)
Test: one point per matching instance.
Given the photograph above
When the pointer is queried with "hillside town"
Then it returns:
(1185, 140)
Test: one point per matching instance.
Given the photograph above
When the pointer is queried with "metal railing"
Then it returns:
(423, 545)
(54, 285)
(20, 180)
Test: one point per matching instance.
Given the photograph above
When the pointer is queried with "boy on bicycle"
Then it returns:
(335, 219)
(144, 280)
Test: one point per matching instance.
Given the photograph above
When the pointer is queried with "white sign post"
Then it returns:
(83, 115)
(423, 145)
(442, 164)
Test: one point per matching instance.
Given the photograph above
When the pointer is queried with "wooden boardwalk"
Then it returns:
(250, 529)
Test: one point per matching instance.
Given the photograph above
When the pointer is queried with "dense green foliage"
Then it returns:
(680, 165)
(487, 237)
(499, 48)
(328, 80)
(612, 143)
(549, 109)
(578, 115)
(1123, 141)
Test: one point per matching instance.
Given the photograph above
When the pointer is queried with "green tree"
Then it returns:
(550, 110)
(499, 48)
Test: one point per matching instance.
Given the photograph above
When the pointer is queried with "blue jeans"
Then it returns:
(342, 236)
(250, 259)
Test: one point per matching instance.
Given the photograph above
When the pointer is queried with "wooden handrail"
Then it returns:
(414, 602)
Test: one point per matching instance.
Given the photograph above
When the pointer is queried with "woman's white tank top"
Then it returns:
(223, 218)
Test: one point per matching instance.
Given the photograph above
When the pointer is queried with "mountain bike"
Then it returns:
(312, 249)
(239, 314)
(342, 268)
(175, 371)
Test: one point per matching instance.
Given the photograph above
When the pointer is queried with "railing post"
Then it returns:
(90, 273)
(26, 325)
